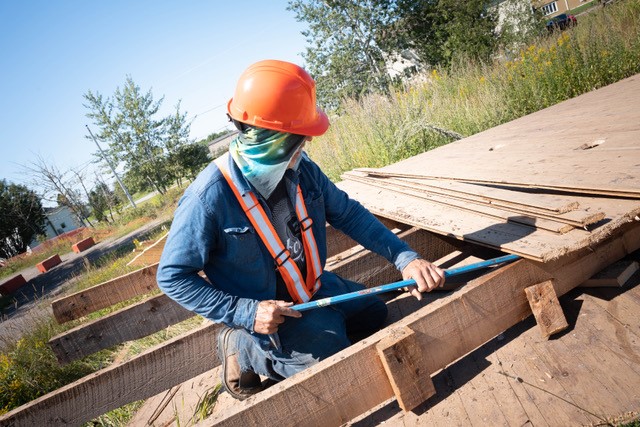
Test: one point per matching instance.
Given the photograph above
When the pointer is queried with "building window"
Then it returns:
(550, 8)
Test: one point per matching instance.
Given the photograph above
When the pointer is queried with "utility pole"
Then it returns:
(112, 169)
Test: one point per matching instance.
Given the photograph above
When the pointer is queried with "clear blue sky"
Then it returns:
(52, 52)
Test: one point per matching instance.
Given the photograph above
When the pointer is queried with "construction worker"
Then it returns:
(254, 222)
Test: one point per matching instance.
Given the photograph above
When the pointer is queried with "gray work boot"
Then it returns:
(238, 384)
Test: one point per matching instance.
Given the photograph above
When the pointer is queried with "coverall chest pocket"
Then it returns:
(241, 243)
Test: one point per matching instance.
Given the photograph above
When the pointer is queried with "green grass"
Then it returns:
(59, 246)
(159, 206)
(471, 97)
(28, 367)
(584, 7)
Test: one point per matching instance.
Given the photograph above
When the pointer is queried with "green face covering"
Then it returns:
(263, 155)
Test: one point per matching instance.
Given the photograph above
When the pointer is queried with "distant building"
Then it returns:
(553, 8)
(60, 220)
(221, 144)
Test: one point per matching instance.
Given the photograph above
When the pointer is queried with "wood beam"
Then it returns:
(546, 308)
(147, 374)
(127, 324)
(159, 311)
(351, 382)
(338, 388)
(143, 281)
(401, 357)
(105, 294)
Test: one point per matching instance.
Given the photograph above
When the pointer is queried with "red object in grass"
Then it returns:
(49, 263)
(83, 245)
(12, 285)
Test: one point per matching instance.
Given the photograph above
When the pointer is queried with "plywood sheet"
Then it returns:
(549, 148)
(507, 236)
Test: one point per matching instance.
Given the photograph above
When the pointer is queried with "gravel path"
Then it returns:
(33, 301)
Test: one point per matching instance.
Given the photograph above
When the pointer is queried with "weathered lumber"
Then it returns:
(482, 309)
(150, 255)
(147, 374)
(106, 294)
(546, 308)
(143, 281)
(129, 323)
(514, 197)
(513, 238)
(534, 244)
(542, 221)
(615, 275)
(401, 357)
(567, 153)
(574, 217)
(158, 312)
(371, 269)
(446, 330)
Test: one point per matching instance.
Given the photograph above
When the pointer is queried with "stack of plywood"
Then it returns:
(542, 186)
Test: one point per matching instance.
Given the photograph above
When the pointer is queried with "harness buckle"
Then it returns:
(306, 223)
(280, 260)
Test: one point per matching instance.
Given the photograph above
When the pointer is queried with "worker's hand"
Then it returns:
(271, 314)
(427, 276)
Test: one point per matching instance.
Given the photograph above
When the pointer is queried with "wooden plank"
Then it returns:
(542, 221)
(329, 398)
(147, 374)
(550, 203)
(548, 403)
(129, 323)
(401, 357)
(577, 379)
(621, 307)
(467, 381)
(615, 275)
(143, 281)
(524, 153)
(616, 372)
(620, 338)
(546, 308)
(158, 312)
(106, 294)
(507, 236)
(575, 217)
(447, 329)
(150, 255)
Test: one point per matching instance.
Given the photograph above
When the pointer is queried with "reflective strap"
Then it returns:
(309, 241)
(257, 216)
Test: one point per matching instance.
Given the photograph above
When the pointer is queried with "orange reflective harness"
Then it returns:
(288, 269)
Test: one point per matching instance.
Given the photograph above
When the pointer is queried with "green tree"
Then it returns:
(101, 200)
(441, 30)
(191, 158)
(129, 123)
(351, 43)
(345, 55)
(22, 217)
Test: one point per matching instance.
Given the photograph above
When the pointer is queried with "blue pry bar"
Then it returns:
(399, 285)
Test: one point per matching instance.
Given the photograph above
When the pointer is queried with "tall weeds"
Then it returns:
(469, 97)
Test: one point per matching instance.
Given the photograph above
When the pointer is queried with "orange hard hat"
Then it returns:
(280, 96)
